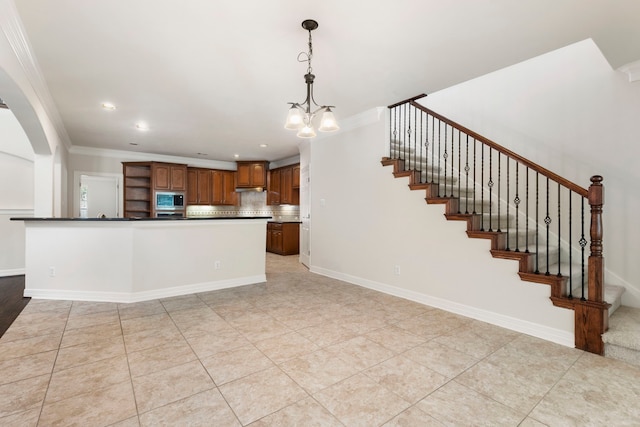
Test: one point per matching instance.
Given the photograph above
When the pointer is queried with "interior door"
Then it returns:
(98, 196)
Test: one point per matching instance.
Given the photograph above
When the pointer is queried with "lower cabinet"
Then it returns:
(283, 238)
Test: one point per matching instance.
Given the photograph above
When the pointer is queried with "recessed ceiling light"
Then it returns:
(108, 106)
(236, 155)
(142, 126)
(263, 145)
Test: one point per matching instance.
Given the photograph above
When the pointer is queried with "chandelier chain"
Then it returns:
(306, 56)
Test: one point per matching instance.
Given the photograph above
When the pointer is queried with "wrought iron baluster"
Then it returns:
(412, 147)
(516, 202)
(499, 200)
(433, 146)
(402, 135)
(490, 190)
(426, 155)
(452, 158)
(391, 133)
(407, 148)
(559, 234)
(526, 216)
(439, 155)
(547, 221)
(459, 157)
(421, 133)
(482, 186)
(570, 254)
(508, 184)
(466, 172)
(583, 243)
(537, 222)
(445, 156)
(474, 176)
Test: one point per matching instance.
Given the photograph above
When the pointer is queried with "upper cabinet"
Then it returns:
(252, 174)
(224, 183)
(296, 176)
(211, 187)
(273, 187)
(198, 186)
(284, 186)
(169, 176)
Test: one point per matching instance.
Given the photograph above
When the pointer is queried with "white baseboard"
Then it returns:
(123, 297)
(12, 272)
(557, 336)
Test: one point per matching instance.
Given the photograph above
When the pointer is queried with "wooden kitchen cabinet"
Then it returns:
(198, 186)
(224, 186)
(273, 187)
(283, 238)
(284, 186)
(169, 176)
(296, 176)
(251, 174)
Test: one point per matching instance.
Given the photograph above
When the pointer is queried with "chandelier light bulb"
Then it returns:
(294, 119)
(328, 122)
(306, 131)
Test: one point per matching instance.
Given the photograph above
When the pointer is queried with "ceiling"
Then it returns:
(214, 77)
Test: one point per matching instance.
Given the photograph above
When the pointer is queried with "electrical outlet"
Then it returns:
(52, 272)
(396, 270)
(216, 265)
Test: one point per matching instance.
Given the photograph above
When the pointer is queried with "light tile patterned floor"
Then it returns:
(301, 350)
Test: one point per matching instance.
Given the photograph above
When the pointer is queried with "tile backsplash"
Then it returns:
(253, 203)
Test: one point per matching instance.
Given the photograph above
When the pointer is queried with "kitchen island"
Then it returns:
(139, 259)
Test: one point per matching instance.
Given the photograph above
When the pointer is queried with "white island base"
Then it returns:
(138, 260)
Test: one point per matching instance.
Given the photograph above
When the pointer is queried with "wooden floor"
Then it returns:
(11, 300)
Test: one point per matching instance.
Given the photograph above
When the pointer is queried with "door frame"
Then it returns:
(76, 190)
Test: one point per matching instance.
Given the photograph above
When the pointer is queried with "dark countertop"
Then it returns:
(169, 218)
(280, 221)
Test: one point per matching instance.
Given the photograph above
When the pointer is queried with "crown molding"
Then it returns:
(632, 70)
(150, 157)
(16, 36)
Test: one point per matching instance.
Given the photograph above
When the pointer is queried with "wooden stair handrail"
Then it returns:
(531, 165)
(397, 104)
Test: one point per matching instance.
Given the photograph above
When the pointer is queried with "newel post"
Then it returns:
(596, 260)
(591, 316)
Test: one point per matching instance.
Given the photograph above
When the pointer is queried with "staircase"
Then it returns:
(528, 213)
(622, 340)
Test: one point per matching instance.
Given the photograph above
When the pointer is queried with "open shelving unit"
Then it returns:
(137, 189)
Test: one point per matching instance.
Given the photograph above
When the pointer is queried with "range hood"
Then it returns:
(249, 189)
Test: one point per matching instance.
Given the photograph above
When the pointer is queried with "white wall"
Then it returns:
(16, 188)
(571, 113)
(365, 222)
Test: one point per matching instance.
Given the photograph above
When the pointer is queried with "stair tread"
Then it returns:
(624, 332)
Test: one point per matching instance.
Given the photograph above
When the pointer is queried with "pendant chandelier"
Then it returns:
(300, 116)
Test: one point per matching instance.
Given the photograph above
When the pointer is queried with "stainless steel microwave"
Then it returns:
(169, 200)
